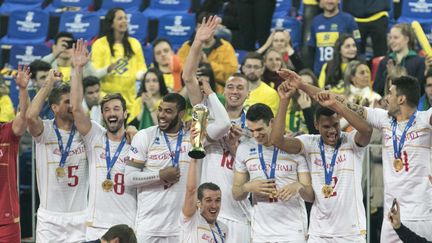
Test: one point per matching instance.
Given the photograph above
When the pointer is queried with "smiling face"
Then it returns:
(236, 91)
(114, 116)
(348, 49)
(120, 22)
(329, 128)
(329, 5)
(393, 101)
(210, 205)
(398, 42)
(168, 116)
(260, 131)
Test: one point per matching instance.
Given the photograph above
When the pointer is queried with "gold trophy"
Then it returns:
(199, 122)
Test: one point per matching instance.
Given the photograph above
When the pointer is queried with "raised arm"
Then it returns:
(34, 122)
(19, 124)
(364, 130)
(190, 201)
(220, 124)
(80, 58)
(203, 33)
(290, 145)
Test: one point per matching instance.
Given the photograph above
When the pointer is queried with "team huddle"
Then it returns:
(254, 180)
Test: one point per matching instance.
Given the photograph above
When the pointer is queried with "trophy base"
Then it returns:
(197, 153)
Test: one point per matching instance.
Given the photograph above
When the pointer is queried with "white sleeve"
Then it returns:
(376, 117)
(240, 165)
(219, 122)
(302, 166)
(305, 140)
(95, 133)
(42, 138)
(140, 144)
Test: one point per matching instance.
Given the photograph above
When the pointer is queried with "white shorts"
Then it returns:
(237, 232)
(54, 227)
(157, 239)
(343, 239)
(420, 227)
(94, 233)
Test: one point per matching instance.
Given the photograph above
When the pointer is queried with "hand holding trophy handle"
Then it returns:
(199, 124)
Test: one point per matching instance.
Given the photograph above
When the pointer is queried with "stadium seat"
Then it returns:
(177, 28)
(129, 6)
(375, 63)
(240, 54)
(138, 26)
(148, 53)
(59, 6)
(25, 54)
(81, 25)
(26, 27)
(292, 25)
(415, 10)
(282, 9)
(9, 6)
(157, 8)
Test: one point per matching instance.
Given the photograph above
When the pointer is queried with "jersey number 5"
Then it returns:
(74, 178)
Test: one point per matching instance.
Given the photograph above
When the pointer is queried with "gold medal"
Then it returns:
(398, 164)
(327, 191)
(60, 172)
(107, 185)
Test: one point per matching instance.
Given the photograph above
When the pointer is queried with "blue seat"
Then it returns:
(59, 6)
(240, 54)
(292, 25)
(158, 8)
(26, 27)
(177, 28)
(129, 6)
(148, 53)
(138, 26)
(415, 10)
(9, 6)
(25, 54)
(80, 25)
(282, 9)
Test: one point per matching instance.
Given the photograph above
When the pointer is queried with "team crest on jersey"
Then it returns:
(134, 150)
(157, 140)
(333, 27)
(252, 151)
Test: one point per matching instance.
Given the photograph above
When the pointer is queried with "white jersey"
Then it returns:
(119, 205)
(159, 206)
(196, 230)
(217, 167)
(343, 213)
(67, 194)
(410, 186)
(274, 221)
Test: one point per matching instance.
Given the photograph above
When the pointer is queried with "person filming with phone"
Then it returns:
(404, 233)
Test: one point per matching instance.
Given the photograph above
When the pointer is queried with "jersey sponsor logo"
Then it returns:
(321, 27)
(279, 167)
(208, 238)
(326, 38)
(253, 151)
(79, 150)
(340, 159)
(121, 66)
(120, 160)
(410, 136)
(165, 155)
(134, 149)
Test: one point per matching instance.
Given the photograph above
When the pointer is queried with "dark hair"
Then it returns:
(90, 81)
(259, 111)
(206, 186)
(428, 74)
(253, 55)
(155, 43)
(200, 16)
(57, 92)
(323, 111)
(176, 98)
(407, 31)
(62, 34)
(162, 86)
(409, 87)
(38, 65)
(334, 72)
(109, 33)
(206, 70)
(310, 73)
(113, 96)
(124, 233)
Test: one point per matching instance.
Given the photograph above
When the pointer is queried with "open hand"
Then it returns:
(207, 29)
(22, 77)
(80, 55)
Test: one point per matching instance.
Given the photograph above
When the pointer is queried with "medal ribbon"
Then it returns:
(243, 119)
(64, 151)
(175, 159)
(273, 163)
(110, 162)
(219, 233)
(398, 149)
(328, 174)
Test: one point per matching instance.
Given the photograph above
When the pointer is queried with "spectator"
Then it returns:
(120, 57)
(372, 19)
(218, 52)
(92, 96)
(39, 72)
(120, 233)
(325, 30)
(7, 112)
(332, 72)
(272, 63)
(260, 92)
(402, 46)
(426, 100)
(255, 18)
(168, 63)
(280, 40)
(358, 75)
(152, 90)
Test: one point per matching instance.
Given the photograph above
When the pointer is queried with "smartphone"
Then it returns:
(69, 43)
